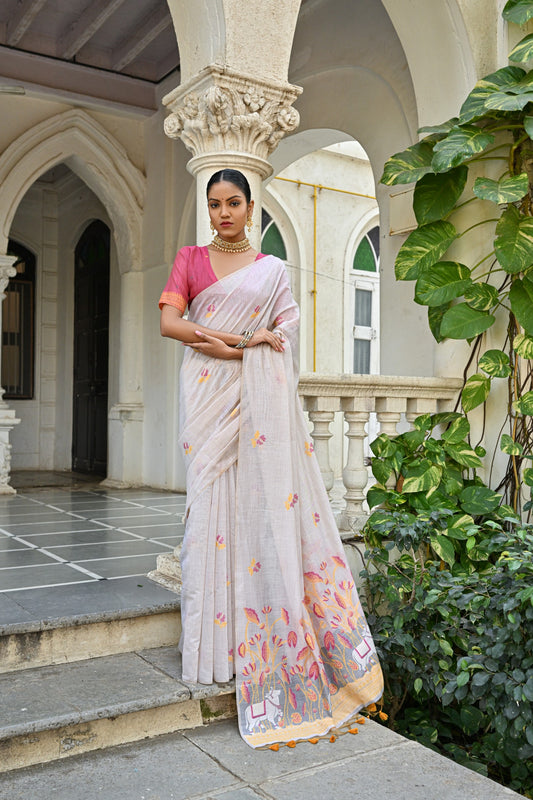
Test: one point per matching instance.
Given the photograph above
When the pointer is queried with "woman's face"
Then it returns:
(228, 210)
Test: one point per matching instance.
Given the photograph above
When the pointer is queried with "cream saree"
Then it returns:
(267, 593)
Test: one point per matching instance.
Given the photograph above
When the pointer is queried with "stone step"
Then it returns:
(52, 712)
(87, 620)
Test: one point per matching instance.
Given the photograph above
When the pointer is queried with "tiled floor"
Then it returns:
(59, 536)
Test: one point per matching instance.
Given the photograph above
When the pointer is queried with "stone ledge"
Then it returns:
(64, 606)
(95, 688)
(59, 646)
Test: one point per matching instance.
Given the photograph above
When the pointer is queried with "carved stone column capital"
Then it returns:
(221, 111)
(7, 271)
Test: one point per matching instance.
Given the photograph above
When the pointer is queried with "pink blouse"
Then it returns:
(191, 274)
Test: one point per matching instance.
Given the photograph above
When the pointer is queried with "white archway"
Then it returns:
(77, 140)
(439, 53)
(212, 33)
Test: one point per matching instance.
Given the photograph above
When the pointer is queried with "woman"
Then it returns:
(267, 594)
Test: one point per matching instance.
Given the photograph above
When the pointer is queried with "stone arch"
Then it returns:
(77, 140)
(200, 31)
(301, 143)
(437, 45)
(212, 33)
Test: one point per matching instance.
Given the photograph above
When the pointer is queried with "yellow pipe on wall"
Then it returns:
(316, 188)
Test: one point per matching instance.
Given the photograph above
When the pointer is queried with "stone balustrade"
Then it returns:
(392, 399)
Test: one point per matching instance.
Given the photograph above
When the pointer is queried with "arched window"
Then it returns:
(366, 256)
(18, 327)
(366, 304)
(271, 239)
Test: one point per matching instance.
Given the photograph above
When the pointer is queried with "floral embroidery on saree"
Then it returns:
(261, 533)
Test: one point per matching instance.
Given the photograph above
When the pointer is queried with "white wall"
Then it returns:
(342, 169)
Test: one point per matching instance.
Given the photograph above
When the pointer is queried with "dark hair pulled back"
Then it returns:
(231, 176)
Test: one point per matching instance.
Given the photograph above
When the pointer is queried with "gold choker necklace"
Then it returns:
(231, 247)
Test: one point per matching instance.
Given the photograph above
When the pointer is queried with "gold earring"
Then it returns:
(249, 223)
(212, 227)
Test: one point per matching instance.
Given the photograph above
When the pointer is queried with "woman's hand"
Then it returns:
(213, 347)
(264, 336)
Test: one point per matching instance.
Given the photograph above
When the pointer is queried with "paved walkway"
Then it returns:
(214, 762)
(57, 536)
(55, 545)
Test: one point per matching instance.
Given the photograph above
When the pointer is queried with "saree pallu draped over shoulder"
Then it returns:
(267, 592)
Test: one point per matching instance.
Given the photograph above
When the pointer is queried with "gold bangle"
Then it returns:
(246, 336)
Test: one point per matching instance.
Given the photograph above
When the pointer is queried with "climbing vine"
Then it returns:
(475, 172)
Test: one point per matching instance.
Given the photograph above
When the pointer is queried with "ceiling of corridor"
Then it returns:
(89, 51)
(127, 37)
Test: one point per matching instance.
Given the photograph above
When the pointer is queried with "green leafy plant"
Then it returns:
(456, 645)
(493, 133)
(428, 477)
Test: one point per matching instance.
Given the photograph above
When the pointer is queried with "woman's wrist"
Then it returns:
(234, 354)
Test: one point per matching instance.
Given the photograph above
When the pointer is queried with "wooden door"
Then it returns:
(91, 350)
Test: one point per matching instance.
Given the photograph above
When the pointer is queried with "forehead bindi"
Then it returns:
(225, 191)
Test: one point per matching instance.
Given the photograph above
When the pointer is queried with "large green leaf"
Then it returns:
(475, 391)
(521, 299)
(436, 195)
(377, 495)
(463, 454)
(464, 322)
(508, 101)
(523, 345)
(524, 85)
(461, 143)
(495, 363)
(435, 317)
(528, 125)
(479, 500)
(509, 446)
(383, 446)
(422, 248)
(474, 106)
(460, 523)
(481, 296)
(518, 11)
(442, 282)
(523, 50)
(381, 470)
(527, 476)
(452, 481)
(458, 430)
(444, 417)
(436, 132)
(443, 547)
(412, 440)
(514, 241)
(421, 477)
(524, 404)
(506, 190)
(409, 165)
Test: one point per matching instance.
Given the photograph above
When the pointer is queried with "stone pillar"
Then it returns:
(321, 434)
(355, 473)
(7, 415)
(389, 412)
(226, 119)
(125, 426)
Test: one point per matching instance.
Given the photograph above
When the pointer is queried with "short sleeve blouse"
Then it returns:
(191, 274)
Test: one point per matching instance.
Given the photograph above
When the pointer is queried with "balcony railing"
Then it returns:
(394, 400)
